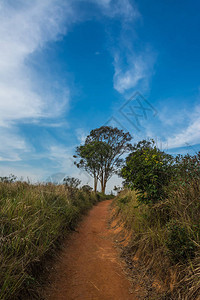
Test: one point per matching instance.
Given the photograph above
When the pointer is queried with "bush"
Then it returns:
(148, 171)
(123, 200)
(86, 188)
(187, 168)
(179, 242)
(166, 236)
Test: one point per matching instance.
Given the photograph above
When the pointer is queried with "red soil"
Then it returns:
(89, 268)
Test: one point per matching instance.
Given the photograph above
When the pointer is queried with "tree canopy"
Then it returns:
(102, 153)
(71, 182)
(148, 170)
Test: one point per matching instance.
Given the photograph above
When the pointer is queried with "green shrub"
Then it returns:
(86, 188)
(166, 236)
(148, 170)
(123, 200)
(187, 168)
(101, 196)
(179, 242)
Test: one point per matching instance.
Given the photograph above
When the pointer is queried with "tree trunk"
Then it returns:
(95, 185)
(102, 183)
(102, 187)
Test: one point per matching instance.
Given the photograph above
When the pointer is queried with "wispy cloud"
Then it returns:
(189, 135)
(25, 28)
(63, 158)
(81, 135)
(116, 8)
(12, 145)
(135, 72)
(131, 68)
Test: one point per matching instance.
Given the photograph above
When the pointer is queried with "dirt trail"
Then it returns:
(89, 268)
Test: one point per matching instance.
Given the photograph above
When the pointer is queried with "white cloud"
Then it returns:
(63, 156)
(131, 67)
(26, 26)
(114, 8)
(34, 174)
(189, 135)
(129, 78)
(135, 72)
(12, 145)
(81, 135)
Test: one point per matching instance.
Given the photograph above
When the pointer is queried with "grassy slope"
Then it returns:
(33, 219)
(166, 237)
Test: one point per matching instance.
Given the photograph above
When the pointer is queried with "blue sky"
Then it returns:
(69, 66)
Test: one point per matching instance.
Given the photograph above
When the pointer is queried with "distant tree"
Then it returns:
(71, 182)
(86, 188)
(91, 156)
(117, 189)
(101, 154)
(9, 179)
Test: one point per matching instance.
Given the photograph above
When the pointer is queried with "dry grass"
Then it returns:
(33, 219)
(153, 238)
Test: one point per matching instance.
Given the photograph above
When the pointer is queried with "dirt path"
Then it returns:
(89, 268)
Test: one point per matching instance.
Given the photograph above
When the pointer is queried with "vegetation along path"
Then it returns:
(89, 268)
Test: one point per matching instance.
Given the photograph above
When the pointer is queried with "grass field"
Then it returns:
(166, 237)
(34, 219)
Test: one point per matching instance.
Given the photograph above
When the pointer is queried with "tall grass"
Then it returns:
(166, 237)
(33, 219)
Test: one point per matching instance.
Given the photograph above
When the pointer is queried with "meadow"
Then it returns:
(159, 205)
(34, 220)
(165, 237)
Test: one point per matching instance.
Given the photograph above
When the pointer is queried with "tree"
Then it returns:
(92, 155)
(8, 179)
(101, 154)
(148, 170)
(71, 182)
(117, 189)
(188, 168)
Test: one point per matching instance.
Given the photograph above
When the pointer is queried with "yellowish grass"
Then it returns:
(150, 233)
(33, 219)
